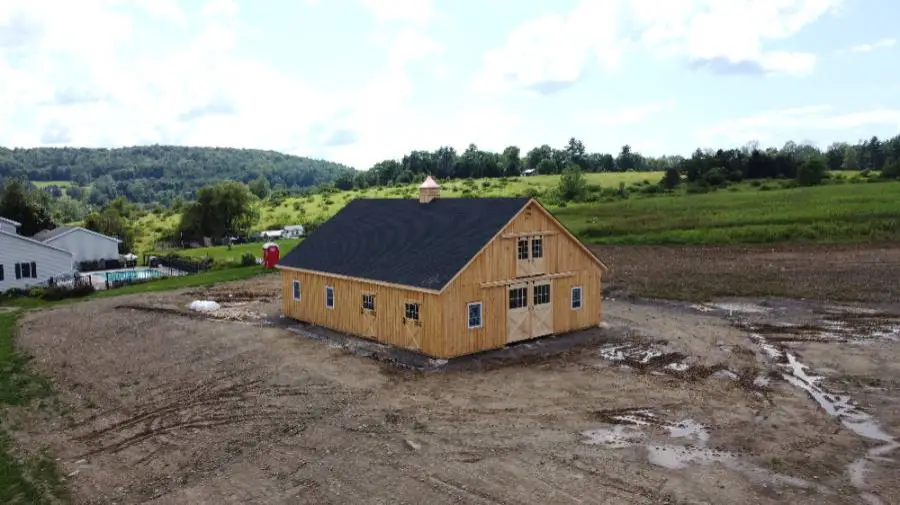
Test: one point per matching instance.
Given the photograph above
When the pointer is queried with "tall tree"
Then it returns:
(511, 164)
(22, 203)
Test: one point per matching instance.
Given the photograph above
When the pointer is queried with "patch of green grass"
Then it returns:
(221, 254)
(17, 387)
(33, 480)
(44, 184)
(833, 213)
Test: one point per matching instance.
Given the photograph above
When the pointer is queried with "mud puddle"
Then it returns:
(840, 406)
(645, 357)
(626, 428)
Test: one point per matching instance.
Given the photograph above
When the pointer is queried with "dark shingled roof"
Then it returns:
(402, 241)
(43, 236)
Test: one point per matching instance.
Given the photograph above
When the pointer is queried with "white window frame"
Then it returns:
(331, 289)
(480, 315)
(295, 291)
(580, 298)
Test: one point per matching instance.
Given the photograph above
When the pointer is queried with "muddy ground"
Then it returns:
(667, 402)
(823, 272)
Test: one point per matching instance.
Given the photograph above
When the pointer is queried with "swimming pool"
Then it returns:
(132, 274)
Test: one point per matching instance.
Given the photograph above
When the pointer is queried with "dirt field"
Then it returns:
(821, 272)
(668, 402)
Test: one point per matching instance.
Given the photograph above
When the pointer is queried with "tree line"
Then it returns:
(747, 162)
(158, 173)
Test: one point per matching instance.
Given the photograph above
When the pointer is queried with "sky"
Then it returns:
(360, 81)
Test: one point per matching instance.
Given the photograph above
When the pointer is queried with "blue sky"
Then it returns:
(358, 81)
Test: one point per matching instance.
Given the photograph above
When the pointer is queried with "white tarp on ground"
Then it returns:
(204, 305)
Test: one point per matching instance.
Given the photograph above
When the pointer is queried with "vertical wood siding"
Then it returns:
(387, 326)
(498, 262)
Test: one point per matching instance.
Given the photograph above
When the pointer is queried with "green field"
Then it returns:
(44, 184)
(221, 254)
(832, 213)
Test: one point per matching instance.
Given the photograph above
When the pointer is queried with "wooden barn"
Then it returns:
(443, 276)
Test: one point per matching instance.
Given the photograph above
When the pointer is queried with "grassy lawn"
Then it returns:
(34, 479)
(832, 213)
(44, 184)
(221, 254)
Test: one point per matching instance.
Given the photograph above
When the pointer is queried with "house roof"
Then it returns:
(55, 233)
(46, 235)
(402, 241)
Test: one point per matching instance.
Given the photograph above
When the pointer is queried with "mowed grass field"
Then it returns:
(744, 213)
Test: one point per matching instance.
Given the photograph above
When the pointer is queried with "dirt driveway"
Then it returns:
(667, 404)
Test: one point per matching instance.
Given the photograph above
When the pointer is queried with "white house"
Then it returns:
(292, 231)
(84, 244)
(25, 262)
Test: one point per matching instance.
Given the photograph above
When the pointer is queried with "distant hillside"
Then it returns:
(151, 174)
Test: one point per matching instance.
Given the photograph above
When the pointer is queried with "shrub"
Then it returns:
(79, 288)
(755, 184)
(248, 259)
(812, 172)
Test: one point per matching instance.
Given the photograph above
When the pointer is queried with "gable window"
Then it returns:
(518, 298)
(537, 247)
(541, 294)
(329, 297)
(523, 248)
(474, 312)
(368, 302)
(412, 311)
(576, 298)
(26, 270)
(297, 290)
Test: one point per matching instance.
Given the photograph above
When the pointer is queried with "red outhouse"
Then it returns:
(271, 255)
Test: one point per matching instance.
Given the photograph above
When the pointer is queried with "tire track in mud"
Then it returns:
(204, 407)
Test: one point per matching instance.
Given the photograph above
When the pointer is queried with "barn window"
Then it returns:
(412, 311)
(576, 298)
(1, 272)
(329, 297)
(297, 290)
(537, 247)
(541, 294)
(518, 298)
(474, 311)
(368, 302)
(523, 248)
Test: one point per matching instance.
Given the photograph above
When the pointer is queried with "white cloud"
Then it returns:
(167, 10)
(768, 125)
(413, 11)
(553, 51)
(867, 48)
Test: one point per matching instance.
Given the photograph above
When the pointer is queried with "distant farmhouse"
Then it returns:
(443, 276)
